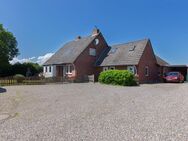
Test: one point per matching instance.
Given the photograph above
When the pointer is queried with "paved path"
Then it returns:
(76, 112)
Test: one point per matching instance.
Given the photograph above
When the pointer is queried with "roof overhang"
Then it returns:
(57, 64)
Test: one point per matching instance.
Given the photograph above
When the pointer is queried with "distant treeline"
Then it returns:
(26, 69)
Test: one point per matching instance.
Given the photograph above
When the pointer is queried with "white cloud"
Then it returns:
(40, 60)
(16, 60)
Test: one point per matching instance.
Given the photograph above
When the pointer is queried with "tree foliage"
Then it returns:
(8, 47)
(26, 69)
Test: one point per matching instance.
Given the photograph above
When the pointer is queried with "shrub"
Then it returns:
(19, 78)
(117, 77)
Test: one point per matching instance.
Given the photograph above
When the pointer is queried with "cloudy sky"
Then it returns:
(43, 26)
(40, 59)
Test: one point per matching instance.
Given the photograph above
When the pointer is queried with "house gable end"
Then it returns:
(85, 63)
(148, 62)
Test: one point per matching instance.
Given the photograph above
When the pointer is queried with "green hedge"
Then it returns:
(117, 77)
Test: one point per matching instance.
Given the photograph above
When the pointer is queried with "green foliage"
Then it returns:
(26, 69)
(19, 78)
(8, 47)
(117, 77)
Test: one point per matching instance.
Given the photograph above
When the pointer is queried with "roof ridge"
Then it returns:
(146, 39)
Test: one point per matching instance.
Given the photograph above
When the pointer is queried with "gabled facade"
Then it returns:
(91, 55)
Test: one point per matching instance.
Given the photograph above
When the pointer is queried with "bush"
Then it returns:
(19, 78)
(117, 77)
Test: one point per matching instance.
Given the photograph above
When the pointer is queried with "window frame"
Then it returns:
(105, 68)
(134, 71)
(50, 69)
(69, 69)
(109, 68)
(46, 69)
(92, 51)
(96, 41)
(146, 71)
(112, 68)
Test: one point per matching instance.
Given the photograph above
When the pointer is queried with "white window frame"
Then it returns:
(146, 71)
(50, 69)
(105, 68)
(45, 69)
(134, 69)
(96, 41)
(112, 68)
(109, 68)
(68, 69)
(92, 51)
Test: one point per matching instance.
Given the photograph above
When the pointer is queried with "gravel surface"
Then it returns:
(94, 112)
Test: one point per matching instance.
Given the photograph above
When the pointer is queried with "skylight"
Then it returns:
(113, 50)
(132, 48)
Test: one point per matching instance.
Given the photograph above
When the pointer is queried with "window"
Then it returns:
(132, 69)
(46, 69)
(96, 41)
(105, 68)
(69, 69)
(146, 71)
(50, 69)
(113, 50)
(108, 68)
(92, 51)
(159, 73)
(112, 68)
(132, 48)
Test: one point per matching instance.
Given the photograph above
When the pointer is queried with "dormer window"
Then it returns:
(113, 50)
(132, 48)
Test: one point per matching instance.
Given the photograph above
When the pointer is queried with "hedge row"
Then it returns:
(117, 77)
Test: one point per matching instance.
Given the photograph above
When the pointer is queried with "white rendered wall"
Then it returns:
(47, 72)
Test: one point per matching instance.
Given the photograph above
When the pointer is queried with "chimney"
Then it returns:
(95, 31)
(78, 37)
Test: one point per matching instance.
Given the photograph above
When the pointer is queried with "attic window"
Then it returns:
(132, 48)
(96, 41)
(92, 51)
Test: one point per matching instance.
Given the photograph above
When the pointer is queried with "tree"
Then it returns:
(26, 69)
(8, 48)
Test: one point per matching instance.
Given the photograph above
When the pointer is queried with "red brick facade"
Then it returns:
(148, 60)
(85, 63)
(147, 67)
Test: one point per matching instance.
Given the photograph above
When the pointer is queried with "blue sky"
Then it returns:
(42, 26)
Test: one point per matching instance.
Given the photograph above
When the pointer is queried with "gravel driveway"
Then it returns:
(92, 112)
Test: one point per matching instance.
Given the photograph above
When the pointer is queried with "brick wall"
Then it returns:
(84, 64)
(148, 59)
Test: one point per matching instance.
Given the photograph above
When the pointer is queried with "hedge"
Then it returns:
(117, 77)
(19, 78)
